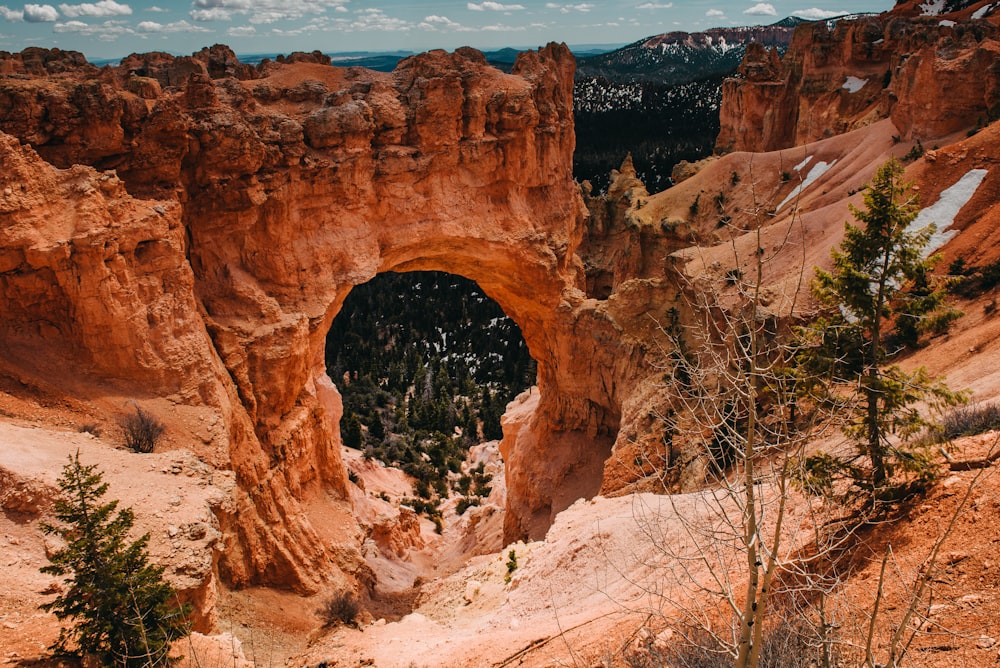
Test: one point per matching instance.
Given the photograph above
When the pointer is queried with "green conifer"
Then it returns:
(845, 354)
(123, 612)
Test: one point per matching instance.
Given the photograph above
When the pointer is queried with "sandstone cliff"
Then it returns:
(931, 75)
(188, 229)
(241, 210)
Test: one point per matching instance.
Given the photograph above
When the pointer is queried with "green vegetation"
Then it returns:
(426, 363)
(880, 284)
(124, 613)
(511, 566)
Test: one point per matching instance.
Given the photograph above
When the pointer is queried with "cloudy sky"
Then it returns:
(110, 29)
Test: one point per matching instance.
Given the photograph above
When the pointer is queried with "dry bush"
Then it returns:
(970, 420)
(141, 430)
(339, 609)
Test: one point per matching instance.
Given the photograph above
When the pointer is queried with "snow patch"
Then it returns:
(854, 84)
(818, 170)
(947, 24)
(799, 167)
(942, 213)
(982, 11)
(932, 8)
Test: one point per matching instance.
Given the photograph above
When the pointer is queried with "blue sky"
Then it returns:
(113, 28)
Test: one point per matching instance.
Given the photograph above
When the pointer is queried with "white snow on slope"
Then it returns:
(982, 11)
(818, 170)
(932, 8)
(802, 164)
(854, 84)
(942, 213)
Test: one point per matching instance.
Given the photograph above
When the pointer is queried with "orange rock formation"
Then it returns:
(930, 75)
(210, 263)
(224, 214)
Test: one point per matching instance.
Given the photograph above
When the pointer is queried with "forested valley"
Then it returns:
(426, 364)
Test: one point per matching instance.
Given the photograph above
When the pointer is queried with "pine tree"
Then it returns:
(351, 434)
(124, 613)
(867, 293)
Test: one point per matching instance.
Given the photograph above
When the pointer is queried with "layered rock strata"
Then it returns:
(206, 248)
(931, 76)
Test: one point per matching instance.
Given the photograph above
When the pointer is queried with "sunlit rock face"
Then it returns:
(224, 214)
(931, 75)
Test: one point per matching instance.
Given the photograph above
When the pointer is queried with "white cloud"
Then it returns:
(492, 7)
(241, 31)
(71, 26)
(434, 22)
(40, 13)
(715, 13)
(11, 14)
(154, 8)
(655, 5)
(107, 31)
(101, 8)
(176, 26)
(501, 28)
(815, 14)
(376, 19)
(262, 11)
(213, 14)
(762, 9)
(566, 9)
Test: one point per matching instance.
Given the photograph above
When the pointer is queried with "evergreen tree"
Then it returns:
(845, 352)
(123, 611)
(351, 436)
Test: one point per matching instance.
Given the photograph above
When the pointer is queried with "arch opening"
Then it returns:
(426, 364)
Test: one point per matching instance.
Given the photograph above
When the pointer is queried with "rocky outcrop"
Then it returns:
(36, 61)
(240, 213)
(931, 77)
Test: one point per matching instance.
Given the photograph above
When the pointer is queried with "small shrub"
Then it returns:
(734, 178)
(465, 503)
(141, 430)
(340, 609)
(91, 428)
(915, 153)
(786, 177)
(511, 566)
(970, 420)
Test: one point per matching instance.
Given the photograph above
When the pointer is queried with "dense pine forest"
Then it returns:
(426, 364)
(659, 124)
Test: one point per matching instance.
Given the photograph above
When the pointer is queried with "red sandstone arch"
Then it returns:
(274, 196)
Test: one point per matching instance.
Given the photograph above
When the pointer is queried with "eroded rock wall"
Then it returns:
(246, 210)
(931, 76)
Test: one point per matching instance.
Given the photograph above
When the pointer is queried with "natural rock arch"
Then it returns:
(267, 199)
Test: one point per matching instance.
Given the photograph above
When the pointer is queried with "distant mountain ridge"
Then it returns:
(681, 57)
(658, 99)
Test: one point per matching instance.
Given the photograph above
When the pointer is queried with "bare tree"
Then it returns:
(732, 419)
